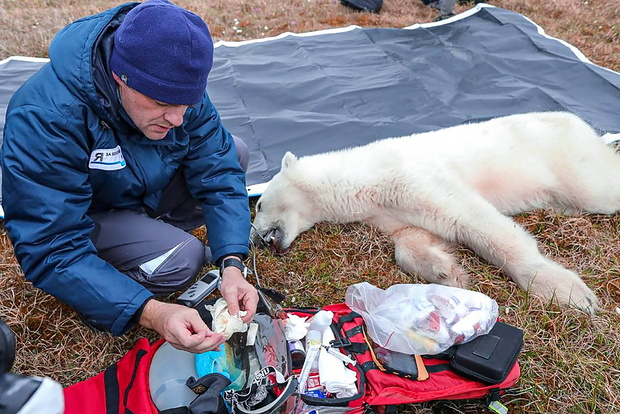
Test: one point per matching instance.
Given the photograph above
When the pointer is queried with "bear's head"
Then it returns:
(285, 209)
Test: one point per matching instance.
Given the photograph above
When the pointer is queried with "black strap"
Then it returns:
(494, 395)
(435, 368)
(368, 365)
(276, 296)
(112, 388)
(358, 348)
(112, 397)
(177, 410)
(139, 356)
(234, 262)
(354, 331)
(347, 318)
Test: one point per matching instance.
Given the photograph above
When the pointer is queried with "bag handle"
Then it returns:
(291, 387)
(257, 392)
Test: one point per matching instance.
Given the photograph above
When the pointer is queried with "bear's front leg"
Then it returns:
(420, 252)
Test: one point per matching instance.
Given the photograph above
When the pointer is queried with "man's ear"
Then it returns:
(288, 160)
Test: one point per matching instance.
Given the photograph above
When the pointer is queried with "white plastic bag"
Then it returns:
(422, 319)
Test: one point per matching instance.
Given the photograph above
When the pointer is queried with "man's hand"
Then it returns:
(181, 326)
(238, 293)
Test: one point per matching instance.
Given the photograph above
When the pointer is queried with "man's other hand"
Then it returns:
(181, 326)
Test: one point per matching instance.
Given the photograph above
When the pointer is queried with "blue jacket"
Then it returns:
(56, 124)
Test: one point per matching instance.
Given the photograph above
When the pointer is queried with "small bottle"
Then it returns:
(320, 322)
(298, 354)
(314, 338)
(313, 342)
(313, 384)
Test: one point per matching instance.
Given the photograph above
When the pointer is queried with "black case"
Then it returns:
(489, 358)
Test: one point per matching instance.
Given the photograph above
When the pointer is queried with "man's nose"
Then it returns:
(174, 114)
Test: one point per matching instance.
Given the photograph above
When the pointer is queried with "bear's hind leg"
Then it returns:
(589, 181)
(502, 242)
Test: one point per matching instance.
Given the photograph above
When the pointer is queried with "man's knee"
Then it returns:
(174, 270)
(243, 152)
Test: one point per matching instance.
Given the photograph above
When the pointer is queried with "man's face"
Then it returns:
(152, 117)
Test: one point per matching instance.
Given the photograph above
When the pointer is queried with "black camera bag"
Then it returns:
(489, 358)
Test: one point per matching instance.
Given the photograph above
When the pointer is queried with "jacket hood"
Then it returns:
(79, 55)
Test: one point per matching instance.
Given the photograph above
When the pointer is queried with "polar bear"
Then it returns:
(457, 185)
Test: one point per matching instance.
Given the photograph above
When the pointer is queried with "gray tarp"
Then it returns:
(314, 92)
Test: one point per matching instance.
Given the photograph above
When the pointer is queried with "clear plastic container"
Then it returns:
(169, 370)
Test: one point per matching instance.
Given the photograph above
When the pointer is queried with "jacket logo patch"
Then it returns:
(107, 159)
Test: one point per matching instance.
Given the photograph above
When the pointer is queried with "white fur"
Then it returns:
(456, 185)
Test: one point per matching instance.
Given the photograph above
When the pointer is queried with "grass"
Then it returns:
(570, 362)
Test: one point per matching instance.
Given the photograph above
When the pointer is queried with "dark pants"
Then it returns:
(446, 7)
(154, 247)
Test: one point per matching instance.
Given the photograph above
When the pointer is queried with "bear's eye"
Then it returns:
(258, 207)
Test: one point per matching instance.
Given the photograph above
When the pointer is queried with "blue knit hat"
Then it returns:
(164, 52)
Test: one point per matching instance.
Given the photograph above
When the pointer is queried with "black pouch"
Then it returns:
(489, 358)
(397, 363)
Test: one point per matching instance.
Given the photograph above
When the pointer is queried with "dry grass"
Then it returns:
(569, 361)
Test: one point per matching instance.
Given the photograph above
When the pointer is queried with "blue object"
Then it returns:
(170, 63)
(222, 362)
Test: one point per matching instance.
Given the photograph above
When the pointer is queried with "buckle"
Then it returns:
(340, 343)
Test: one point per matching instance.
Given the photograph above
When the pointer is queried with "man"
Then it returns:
(445, 7)
(112, 151)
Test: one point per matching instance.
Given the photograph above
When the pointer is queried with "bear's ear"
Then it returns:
(288, 159)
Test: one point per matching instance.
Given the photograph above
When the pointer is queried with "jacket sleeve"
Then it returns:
(216, 179)
(46, 195)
